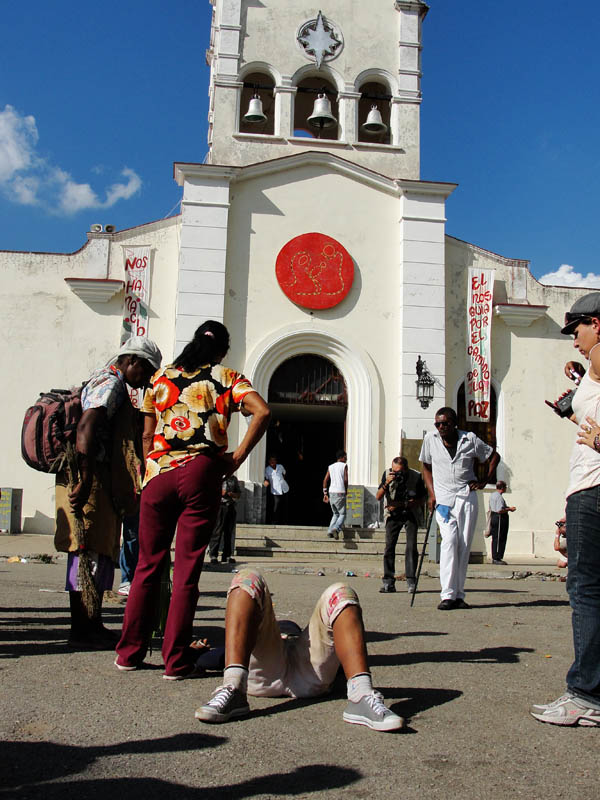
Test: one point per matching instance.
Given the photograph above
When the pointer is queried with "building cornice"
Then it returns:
(397, 187)
(411, 5)
(94, 290)
(519, 315)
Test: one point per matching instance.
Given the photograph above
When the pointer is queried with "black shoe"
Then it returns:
(214, 561)
(460, 603)
(447, 605)
(387, 590)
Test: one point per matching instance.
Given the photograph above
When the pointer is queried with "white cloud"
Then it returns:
(25, 189)
(565, 275)
(28, 179)
(18, 138)
(123, 191)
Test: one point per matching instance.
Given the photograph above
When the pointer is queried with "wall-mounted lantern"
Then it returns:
(425, 384)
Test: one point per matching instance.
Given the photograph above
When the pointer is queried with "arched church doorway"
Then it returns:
(308, 400)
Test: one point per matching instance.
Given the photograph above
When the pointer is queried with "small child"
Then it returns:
(560, 542)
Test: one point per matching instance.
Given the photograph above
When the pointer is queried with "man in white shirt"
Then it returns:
(278, 487)
(448, 456)
(335, 486)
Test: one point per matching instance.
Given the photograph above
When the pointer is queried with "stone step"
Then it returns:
(311, 543)
(299, 556)
(284, 533)
(314, 545)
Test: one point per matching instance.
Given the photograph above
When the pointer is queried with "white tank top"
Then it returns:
(585, 462)
(336, 474)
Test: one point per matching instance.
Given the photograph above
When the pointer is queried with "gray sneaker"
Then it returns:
(569, 710)
(539, 708)
(371, 711)
(227, 702)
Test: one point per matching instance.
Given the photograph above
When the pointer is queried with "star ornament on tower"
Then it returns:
(320, 39)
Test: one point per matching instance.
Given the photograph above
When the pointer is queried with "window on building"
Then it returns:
(260, 85)
(486, 431)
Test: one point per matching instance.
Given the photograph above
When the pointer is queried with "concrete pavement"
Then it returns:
(73, 726)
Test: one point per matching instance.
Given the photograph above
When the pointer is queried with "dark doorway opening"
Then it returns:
(308, 400)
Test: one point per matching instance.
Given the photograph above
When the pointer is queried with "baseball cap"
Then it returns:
(142, 347)
(584, 308)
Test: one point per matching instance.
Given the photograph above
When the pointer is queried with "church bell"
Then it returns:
(374, 123)
(255, 111)
(321, 116)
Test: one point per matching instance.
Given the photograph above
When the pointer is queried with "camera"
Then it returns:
(562, 406)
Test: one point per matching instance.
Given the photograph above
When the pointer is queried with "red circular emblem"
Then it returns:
(314, 270)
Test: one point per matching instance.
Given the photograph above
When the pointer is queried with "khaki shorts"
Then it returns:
(300, 666)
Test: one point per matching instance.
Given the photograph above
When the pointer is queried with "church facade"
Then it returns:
(308, 231)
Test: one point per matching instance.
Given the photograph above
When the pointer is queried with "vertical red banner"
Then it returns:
(479, 344)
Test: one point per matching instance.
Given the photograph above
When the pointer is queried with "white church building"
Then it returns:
(308, 231)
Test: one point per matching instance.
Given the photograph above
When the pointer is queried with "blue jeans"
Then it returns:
(337, 503)
(583, 585)
(130, 548)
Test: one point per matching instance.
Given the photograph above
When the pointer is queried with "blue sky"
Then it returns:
(96, 102)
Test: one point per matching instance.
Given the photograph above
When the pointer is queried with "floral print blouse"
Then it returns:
(193, 410)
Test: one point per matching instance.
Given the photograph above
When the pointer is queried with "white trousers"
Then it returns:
(457, 537)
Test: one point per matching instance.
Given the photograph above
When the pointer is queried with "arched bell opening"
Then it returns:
(374, 113)
(309, 402)
(257, 104)
(316, 112)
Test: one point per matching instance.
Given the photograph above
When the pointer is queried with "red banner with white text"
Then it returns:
(479, 344)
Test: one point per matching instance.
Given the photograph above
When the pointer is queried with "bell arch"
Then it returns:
(362, 382)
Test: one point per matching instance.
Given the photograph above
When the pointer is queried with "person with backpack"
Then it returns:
(99, 484)
(187, 410)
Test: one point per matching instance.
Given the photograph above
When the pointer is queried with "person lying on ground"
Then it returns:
(259, 662)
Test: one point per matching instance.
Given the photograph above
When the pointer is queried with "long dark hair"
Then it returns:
(209, 345)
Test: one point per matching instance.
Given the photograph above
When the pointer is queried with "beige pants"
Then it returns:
(298, 666)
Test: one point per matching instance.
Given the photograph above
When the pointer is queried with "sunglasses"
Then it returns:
(577, 318)
(445, 423)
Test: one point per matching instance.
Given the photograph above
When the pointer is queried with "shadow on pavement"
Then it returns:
(418, 700)
(486, 655)
(523, 604)
(33, 765)
(35, 762)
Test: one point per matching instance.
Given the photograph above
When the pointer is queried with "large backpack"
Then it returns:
(49, 425)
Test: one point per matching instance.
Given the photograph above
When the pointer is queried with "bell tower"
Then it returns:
(344, 77)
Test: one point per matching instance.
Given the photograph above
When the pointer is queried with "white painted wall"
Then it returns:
(393, 269)
(53, 339)
(527, 366)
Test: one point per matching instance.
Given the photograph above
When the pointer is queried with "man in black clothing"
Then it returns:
(225, 526)
(405, 495)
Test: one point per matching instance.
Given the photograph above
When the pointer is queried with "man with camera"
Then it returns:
(405, 494)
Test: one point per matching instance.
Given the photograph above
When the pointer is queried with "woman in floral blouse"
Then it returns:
(187, 410)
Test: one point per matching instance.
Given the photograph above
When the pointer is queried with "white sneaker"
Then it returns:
(539, 708)
(569, 710)
(124, 589)
(371, 711)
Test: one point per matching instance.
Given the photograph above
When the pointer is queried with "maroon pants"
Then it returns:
(186, 498)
